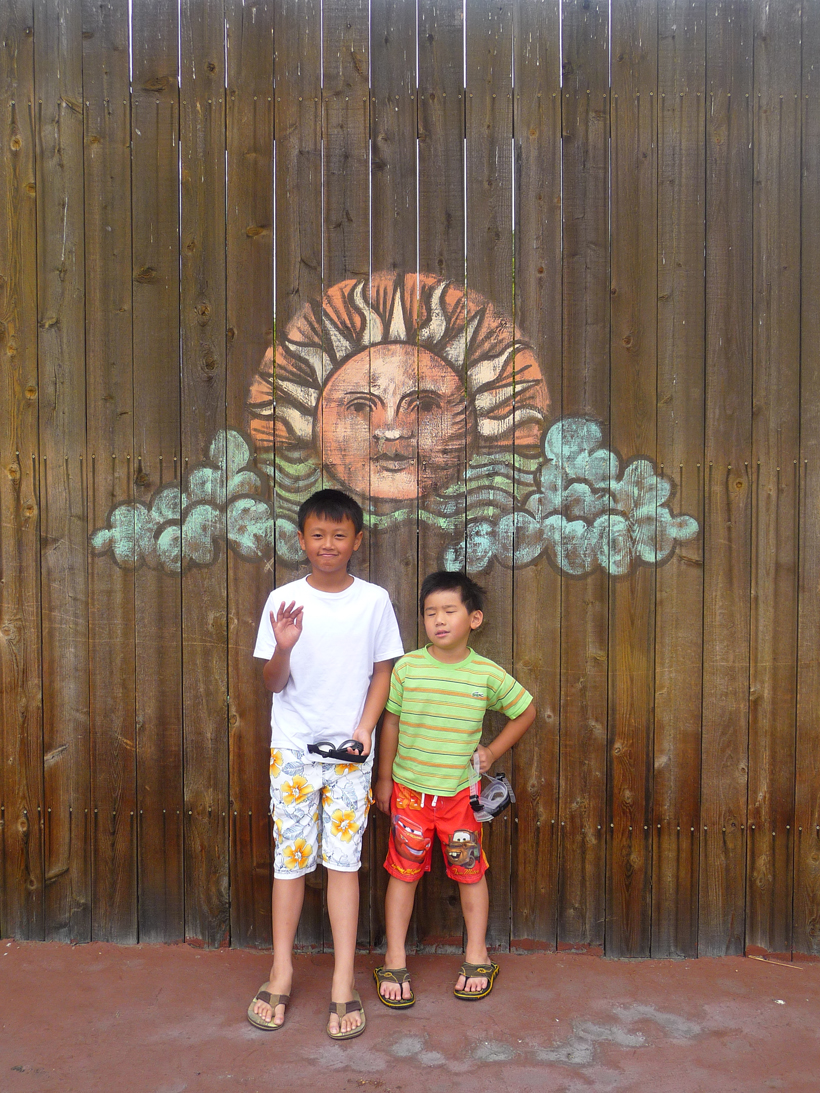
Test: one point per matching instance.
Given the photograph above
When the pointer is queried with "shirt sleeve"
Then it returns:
(394, 699)
(388, 644)
(265, 641)
(509, 697)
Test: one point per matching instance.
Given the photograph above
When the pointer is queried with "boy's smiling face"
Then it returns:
(329, 544)
(449, 624)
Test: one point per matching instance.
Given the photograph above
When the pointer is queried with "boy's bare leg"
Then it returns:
(475, 906)
(398, 908)
(286, 905)
(343, 909)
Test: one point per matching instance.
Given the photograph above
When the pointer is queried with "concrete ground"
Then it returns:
(168, 1019)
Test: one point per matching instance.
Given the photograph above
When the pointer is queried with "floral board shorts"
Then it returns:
(414, 819)
(317, 807)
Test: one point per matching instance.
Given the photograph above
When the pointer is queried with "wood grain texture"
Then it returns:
(585, 379)
(489, 272)
(680, 418)
(437, 923)
(727, 521)
(537, 588)
(775, 449)
(21, 751)
(346, 220)
(806, 928)
(203, 391)
(299, 233)
(156, 354)
(61, 360)
(110, 403)
(393, 556)
(633, 401)
(249, 261)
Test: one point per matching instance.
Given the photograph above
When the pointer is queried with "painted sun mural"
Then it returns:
(425, 402)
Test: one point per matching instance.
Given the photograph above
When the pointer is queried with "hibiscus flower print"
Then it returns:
(346, 768)
(275, 762)
(296, 856)
(344, 824)
(295, 791)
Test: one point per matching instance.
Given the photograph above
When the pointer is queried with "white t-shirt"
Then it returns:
(343, 635)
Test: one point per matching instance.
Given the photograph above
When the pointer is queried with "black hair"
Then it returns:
(333, 505)
(447, 580)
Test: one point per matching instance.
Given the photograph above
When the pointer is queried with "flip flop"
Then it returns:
(397, 976)
(272, 1000)
(342, 1008)
(473, 971)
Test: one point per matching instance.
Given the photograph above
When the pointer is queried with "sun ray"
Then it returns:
(457, 350)
(314, 357)
(397, 328)
(373, 331)
(434, 329)
(342, 346)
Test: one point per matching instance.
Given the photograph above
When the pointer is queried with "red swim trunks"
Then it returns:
(414, 819)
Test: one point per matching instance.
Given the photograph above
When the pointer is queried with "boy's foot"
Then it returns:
(394, 987)
(271, 1015)
(346, 1019)
(475, 980)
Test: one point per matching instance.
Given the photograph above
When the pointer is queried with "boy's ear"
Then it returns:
(357, 542)
(301, 539)
(476, 619)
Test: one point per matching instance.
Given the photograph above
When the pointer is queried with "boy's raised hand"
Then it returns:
(287, 625)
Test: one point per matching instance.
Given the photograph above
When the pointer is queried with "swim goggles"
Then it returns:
(492, 800)
(328, 750)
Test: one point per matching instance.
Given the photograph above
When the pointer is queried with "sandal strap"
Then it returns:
(393, 975)
(341, 1009)
(476, 971)
(268, 998)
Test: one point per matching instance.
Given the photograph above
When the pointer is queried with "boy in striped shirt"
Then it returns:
(431, 728)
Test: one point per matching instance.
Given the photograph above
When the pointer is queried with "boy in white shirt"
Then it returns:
(329, 641)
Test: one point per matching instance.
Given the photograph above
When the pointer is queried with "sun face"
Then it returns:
(402, 390)
(392, 423)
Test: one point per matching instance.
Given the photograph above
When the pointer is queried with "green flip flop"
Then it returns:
(397, 976)
(473, 971)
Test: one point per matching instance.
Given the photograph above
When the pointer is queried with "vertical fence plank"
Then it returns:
(633, 399)
(61, 350)
(21, 754)
(806, 928)
(109, 399)
(393, 554)
(679, 589)
(488, 199)
(298, 190)
(204, 591)
(537, 588)
(346, 218)
(584, 602)
(157, 593)
(775, 449)
(249, 248)
(728, 449)
(437, 920)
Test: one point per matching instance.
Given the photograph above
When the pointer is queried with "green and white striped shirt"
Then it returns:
(441, 711)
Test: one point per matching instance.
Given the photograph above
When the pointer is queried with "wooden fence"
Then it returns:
(631, 195)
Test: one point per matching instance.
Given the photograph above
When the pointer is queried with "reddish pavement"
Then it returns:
(169, 1019)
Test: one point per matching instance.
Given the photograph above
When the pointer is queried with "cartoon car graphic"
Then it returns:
(463, 849)
(409, 839)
